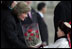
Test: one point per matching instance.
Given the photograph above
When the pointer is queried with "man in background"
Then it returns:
(44, 31)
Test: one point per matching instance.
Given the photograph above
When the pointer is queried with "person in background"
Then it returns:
(32, 16)
(11, 30)
(41, 9)
(6, 7)
(44, 31)
(64, 28)
(62, 12)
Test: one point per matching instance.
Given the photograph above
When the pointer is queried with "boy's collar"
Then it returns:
(62, 37)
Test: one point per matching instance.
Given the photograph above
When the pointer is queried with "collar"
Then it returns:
(41, 14)
(62, 37)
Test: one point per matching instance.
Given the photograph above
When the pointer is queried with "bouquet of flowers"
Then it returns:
(32, 36)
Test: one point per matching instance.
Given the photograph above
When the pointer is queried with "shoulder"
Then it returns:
(6, 15)
(64, 43)
(61, 43)
(37, 14)
(33, 10)
(9, 19)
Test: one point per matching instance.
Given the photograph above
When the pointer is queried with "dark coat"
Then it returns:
(62, 13)
(42, 26)
(11, 31)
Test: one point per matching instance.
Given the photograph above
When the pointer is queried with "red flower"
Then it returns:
(25, 34)
(31, 34)
(30, 38)
(30, 30)
(37, 36)
(69, 22)
(37, 31)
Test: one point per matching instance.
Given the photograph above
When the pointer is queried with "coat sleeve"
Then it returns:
(9, 29)
(43, 29)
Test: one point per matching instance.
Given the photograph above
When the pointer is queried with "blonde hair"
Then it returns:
(20, 8)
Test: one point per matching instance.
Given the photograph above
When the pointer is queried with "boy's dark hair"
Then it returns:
(64, 28)
(40, 6)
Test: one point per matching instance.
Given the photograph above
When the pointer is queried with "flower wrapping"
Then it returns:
(32, 35)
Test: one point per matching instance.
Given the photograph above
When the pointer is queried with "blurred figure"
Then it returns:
(62, 12)
(41, 9)
(5, 14)
(34, 18)
(44, 31)
(6, 8)
(31, 14)
(62, 42)
(11, 28)
(9, 4)
(28, 2)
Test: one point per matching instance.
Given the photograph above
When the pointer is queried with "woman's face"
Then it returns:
(23, 16)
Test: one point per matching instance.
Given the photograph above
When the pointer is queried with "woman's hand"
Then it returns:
(36, 46)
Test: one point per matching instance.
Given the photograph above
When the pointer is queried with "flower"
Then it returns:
(30, 30)
(25, 34)
(37, 36)
(37, 31)
(31, 34)
(69, 22)
(30, 38)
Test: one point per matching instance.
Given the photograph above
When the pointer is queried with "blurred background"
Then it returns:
(48, 17)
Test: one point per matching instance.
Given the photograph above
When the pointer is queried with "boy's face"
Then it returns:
(60, 33)
(44, 10)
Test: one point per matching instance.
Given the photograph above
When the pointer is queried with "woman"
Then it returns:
(12, 28)
(62, 42)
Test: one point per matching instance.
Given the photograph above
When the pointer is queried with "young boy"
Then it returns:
(62, 41)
